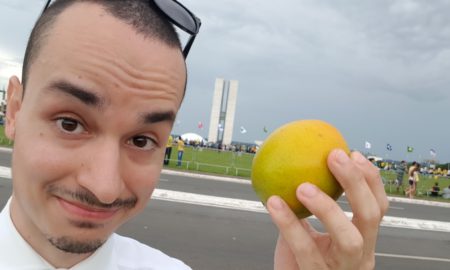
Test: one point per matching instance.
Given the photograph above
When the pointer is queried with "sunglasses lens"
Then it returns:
(179, 15)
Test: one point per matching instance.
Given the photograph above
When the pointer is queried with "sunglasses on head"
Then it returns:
(178, 15)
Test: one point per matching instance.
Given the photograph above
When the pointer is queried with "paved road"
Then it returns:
(207, 237)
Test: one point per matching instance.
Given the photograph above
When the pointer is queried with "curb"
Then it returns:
(5, 149)
(206, 176)
(248, 182)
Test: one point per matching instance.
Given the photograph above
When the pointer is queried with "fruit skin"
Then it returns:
(293, 154)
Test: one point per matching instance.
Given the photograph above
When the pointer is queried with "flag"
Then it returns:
(432, 152)
(220, 127)
(389, 147)
(265, 130)
(200, 125)
(243, 130)
(409, 149)
(368, 145)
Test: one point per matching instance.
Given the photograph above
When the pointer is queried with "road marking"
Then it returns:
(209, 177)
(390, 207)
(5, 172)
(248, 182)
(254, 206)
(398, 208)
(412, 257)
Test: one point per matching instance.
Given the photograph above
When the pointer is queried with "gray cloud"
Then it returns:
(375, 69)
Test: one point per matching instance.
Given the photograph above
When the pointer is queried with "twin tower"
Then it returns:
(223, 111)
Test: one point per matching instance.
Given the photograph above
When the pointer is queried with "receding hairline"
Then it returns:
(46, 35)
(49, 21)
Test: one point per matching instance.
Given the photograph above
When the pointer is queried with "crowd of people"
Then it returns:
(413, 173)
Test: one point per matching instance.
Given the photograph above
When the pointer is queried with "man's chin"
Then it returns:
(71, 245)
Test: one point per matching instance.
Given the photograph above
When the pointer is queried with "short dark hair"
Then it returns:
(142, 15)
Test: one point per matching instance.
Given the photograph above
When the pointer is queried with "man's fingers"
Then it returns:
(373, 178)
(297, 238)
(362, 201)
(284, 258)
(357, 179)
(345, 236)
(375, 183)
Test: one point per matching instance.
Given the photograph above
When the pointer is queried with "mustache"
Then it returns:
(88, 198)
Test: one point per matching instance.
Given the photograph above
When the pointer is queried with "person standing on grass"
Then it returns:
(168, 150)
(180, 148)
(401, 168)
(413, 178)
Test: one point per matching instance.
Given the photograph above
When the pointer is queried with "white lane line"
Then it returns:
(248, 182)
(390, 207)
(418, 201)
(5, 172)
(209, 177)
(397, 208)
(412, 257)
(254, 206)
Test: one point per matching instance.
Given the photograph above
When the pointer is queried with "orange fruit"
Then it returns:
(293, 154)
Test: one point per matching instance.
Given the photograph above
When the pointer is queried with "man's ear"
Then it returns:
(15, 94)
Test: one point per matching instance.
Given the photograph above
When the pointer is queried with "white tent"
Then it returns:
(192, 137)
(375, 158)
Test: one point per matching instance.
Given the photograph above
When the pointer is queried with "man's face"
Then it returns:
(90, 132)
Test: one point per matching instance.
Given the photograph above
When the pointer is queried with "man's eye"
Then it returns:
(142, 142)
(70, 125)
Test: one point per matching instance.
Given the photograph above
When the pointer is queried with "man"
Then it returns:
(168, 150)
(180, 149)
(400, 170)
(101, 86)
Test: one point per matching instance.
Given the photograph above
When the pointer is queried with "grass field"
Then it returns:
(235, 164)
(3, 140)
(211, 161)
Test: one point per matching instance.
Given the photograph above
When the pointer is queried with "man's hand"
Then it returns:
(348, 244)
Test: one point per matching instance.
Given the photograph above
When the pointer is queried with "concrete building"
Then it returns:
(223, 111)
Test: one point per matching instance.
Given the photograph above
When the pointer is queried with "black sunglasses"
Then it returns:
(178, 15)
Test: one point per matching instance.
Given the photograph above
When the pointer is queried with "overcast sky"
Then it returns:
(377, 70)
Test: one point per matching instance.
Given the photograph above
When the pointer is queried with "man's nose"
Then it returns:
(100, 172)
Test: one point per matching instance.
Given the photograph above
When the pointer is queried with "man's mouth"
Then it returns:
(86, 212)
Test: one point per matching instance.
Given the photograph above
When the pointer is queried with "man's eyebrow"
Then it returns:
(86, 96)
(156, 117)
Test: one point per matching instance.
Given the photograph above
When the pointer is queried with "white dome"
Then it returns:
(192, 137)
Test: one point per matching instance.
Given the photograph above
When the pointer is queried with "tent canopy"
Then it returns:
(192, 137)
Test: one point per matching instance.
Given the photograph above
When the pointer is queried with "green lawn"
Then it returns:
(239, 164)
(3, 140)
(424, 185)
(211, 161)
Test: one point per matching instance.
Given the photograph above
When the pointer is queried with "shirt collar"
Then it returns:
(16, 253)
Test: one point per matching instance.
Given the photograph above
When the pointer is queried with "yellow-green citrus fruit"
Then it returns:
(293, 154)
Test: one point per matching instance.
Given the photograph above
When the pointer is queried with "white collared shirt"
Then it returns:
(117, 253)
